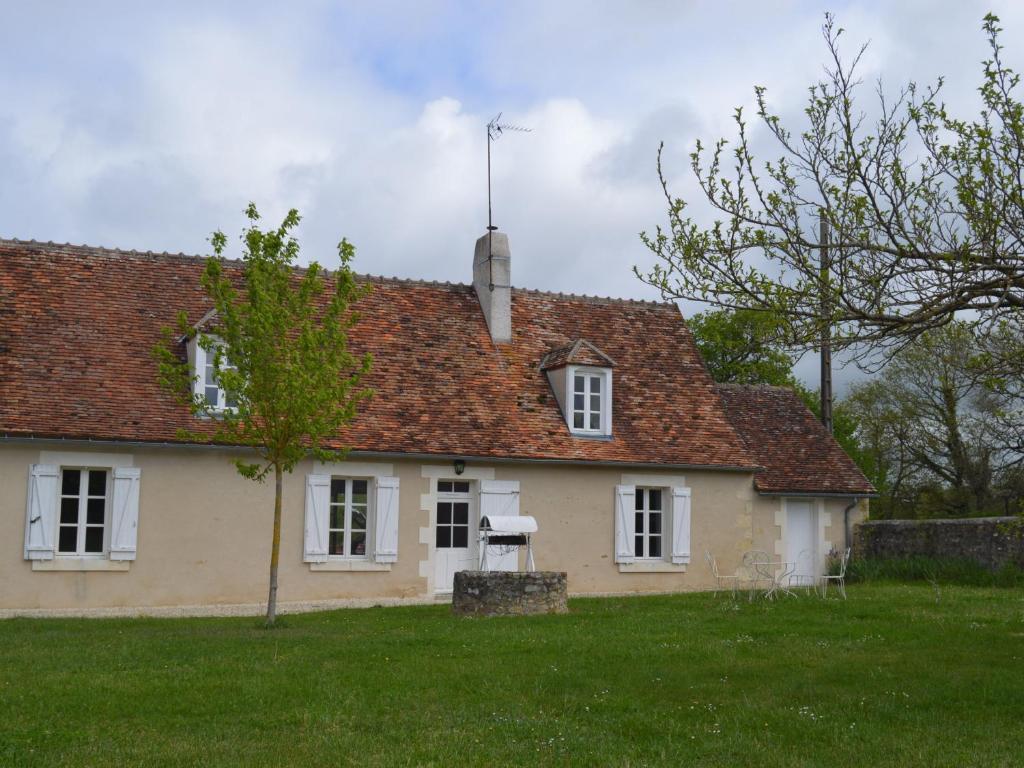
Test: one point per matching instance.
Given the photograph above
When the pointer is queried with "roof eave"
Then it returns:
(823, 494)
(85, 441)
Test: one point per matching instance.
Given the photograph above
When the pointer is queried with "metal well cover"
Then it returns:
(509, 524)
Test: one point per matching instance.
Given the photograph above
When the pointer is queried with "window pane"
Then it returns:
(359, 543)
(578, 402)
(69, 510)
(230, 401)
(595, 421)
(639, 545)
(444, 537)
(595, 383)
(462, 487)
(579, 384)
(337, 490)
(654, 522)
(68, 539)
(655, 495)
(639, 522)
(97, 483)
(358, 519)
(654, 543)
(577, 420)
(460, 536)
(94, 538)
(461, 514)
(595, 403)
(94, 511)
(444, 513)
(212, 396)
(358, 491)
(337, 516)
(69, 485)
(336, 545)
(639, 496)
(444, 486)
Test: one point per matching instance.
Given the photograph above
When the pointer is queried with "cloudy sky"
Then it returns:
(147, 126)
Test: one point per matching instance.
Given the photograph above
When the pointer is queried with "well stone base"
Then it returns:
(503, 593)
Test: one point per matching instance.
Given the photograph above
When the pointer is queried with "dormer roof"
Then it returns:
(578, 352)
(204, 323)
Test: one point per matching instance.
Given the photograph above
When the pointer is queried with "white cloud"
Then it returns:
(143, 127)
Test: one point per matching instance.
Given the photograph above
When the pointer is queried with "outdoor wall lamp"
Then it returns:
(460, 466)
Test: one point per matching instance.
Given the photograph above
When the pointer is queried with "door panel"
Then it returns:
(801, 541)
(454, 537)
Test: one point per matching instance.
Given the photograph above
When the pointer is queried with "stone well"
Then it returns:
(504, 593)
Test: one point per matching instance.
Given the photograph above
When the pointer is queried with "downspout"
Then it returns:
(846, 521)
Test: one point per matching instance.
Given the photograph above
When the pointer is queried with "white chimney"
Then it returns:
(492, 279)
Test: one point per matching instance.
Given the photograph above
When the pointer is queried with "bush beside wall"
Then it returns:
(961, 550)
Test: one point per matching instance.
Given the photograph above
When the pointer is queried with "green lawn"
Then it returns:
(889, 677)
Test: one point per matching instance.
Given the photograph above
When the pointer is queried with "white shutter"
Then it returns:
(41, 511)
(500, 497)
(680, 525)
(625, 523)
(124, 520)
(385, 549)
(318, 497)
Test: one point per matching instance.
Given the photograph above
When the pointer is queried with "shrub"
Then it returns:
(940, 570)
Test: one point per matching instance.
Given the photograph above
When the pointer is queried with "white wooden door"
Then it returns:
(801, 541)
(454, 533)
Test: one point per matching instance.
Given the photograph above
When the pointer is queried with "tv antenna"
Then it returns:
(494, 130)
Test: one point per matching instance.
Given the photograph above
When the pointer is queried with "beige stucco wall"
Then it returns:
(204, 532)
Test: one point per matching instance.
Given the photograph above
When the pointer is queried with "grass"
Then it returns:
(896, 675)
(931, 569)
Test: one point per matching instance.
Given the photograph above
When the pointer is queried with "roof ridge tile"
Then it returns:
(92, 250)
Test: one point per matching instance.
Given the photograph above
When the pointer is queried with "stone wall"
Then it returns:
(990, 541)
(503, 593)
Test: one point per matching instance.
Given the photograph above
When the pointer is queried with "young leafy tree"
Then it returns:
(278, 337)
(926, 212)
(742, 347)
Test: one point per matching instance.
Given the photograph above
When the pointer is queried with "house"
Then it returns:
(596, 416)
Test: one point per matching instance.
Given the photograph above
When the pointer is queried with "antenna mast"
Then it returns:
(494, 130)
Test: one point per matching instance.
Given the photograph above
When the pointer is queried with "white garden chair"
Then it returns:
(721, 578)
(803, 580)
(839, 578)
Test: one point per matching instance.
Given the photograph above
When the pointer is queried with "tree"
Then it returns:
(935, 426)
(279, 344)
(926, 213)
(741, 347)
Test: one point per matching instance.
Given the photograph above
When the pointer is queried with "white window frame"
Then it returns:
(605, 395)
(347, 522)
(203, 360)
(664, 534)
(83, 508)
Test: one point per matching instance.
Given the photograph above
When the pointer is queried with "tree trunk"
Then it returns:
(275, 548)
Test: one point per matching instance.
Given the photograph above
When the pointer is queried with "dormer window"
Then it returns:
(581, 377)
(588, 400)
(204, 382)
(217, 398)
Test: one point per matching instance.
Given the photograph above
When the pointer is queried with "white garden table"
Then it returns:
(776, 572)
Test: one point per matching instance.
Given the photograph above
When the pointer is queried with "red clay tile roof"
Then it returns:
(579, 352)
(798, 454)
(77, 326)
